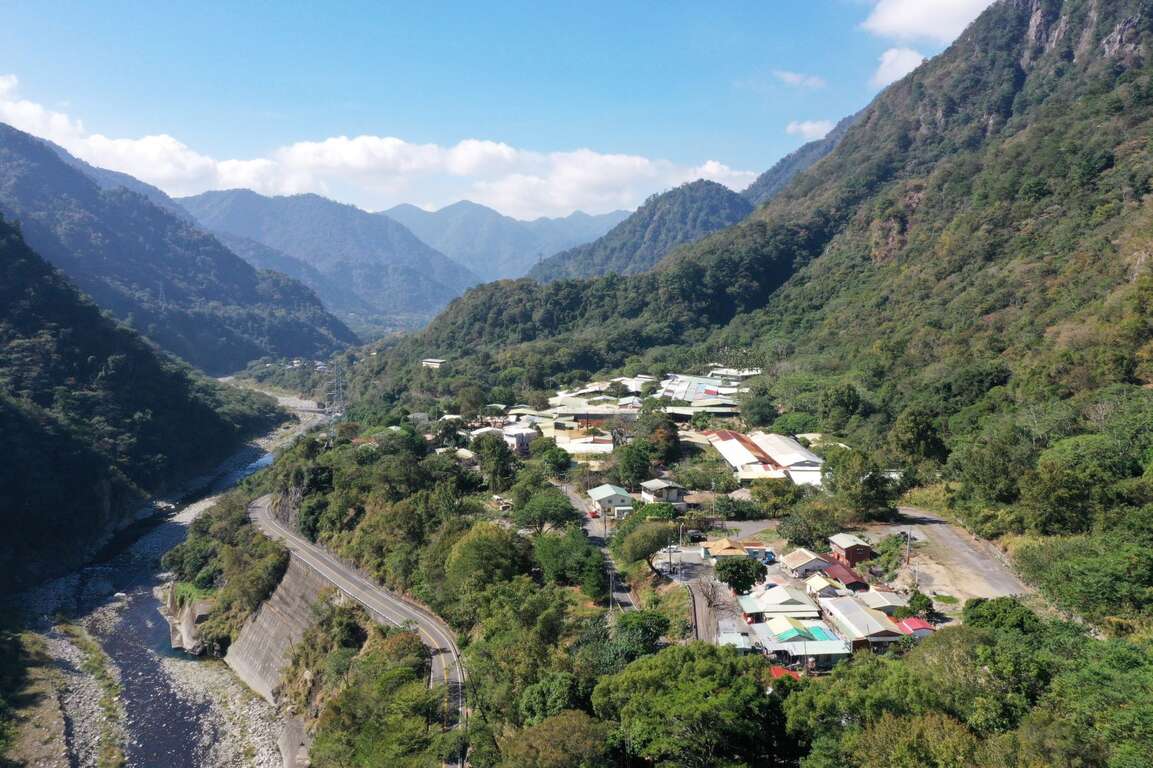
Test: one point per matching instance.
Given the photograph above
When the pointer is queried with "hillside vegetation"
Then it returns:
(681, 215)
(154, 270)
(97, 419)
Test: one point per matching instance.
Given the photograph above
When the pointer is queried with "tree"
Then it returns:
(693, 705)
(448, 436)
(661, 433)
(548, 697)
(777, 495)
(925, 741)
(496, 459)
(570, 739)
(741, 574)
(548, 507)
(915, 436)
(859, 485)
(488, 553)
(638, 633)
(658, 511)
(838, 404)
(758, 409)
(633, 463)
(646, 541)
(810, 524)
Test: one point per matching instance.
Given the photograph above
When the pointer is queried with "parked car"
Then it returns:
(594, 514)
(695, 536)
(769, 557)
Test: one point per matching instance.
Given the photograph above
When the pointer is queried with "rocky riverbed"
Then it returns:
(112, 692)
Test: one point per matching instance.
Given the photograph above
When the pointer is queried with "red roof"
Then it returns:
(914, 624)
(843, 574)
(779, 672)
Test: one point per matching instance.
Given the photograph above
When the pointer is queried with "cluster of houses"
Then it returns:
(616, 502)
(821, 611)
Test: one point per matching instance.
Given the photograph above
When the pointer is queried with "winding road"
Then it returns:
(382, 604)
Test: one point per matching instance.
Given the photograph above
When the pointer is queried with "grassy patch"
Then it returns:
(946, 599)
(98, 665)
(185, 592)
(672, 602)
(932, 498)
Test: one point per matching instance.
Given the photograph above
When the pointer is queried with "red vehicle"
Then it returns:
(594, 513)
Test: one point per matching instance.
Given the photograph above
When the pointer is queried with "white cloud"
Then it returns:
(895, 63)
(809, 130)
(938, 20)
(799, 79)
(376, 172)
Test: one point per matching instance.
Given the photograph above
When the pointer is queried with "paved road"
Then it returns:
(597, 530)
(383, 605)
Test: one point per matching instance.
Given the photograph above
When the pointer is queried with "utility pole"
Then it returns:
(334, 395)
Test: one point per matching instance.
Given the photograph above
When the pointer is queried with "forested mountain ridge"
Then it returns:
(167, 278)
(376, 258)
(495, 246)
(996, 195)
(772, 181)
(681, 215)
(97, 417)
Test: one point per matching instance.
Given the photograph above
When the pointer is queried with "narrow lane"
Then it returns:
(597, 530)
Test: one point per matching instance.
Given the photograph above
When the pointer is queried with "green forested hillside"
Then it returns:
(156, 271)
(95, 417)
(681, 215)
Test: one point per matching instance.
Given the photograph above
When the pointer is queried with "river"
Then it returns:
(172, 711)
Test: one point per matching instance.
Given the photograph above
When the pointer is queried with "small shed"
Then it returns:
(850, 549)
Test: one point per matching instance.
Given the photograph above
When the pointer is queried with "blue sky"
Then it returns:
(534, 108)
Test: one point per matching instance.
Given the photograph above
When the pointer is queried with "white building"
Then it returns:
(612, 500)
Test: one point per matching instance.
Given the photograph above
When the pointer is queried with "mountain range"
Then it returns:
(772, 181)
(392, 273)
(681, 215)
(495, 246)
(154, 269)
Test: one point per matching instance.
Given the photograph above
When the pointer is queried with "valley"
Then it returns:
(358, 451)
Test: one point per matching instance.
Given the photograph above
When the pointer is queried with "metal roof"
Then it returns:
(602, 492)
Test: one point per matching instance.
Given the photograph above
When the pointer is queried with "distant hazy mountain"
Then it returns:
(157, 271)
(373, 257)
(681, 215)
(496, 246)
(772, 181)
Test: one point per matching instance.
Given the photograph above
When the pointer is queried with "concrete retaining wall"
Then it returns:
(264, 646)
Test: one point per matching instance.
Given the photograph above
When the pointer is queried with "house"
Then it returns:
(915, 626)
(612, 500)
(846, 576)
(519, 437)
(884, 601)
(432, 362)
(820, 585)
(732, 634)
(767, 601)
(860, 625)
(473, 435)
(802, 562)
(850, 549)
(722, 549)
(808, 642)
(659, 490)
